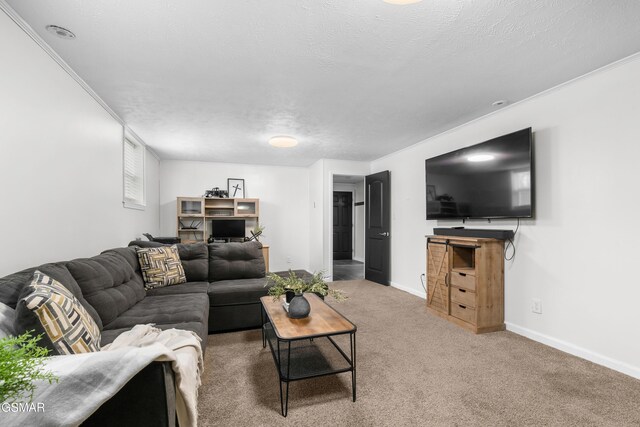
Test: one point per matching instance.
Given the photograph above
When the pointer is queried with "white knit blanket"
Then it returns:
(88, 380)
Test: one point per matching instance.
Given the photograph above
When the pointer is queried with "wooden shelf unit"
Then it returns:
(201, 211)
(465, 281)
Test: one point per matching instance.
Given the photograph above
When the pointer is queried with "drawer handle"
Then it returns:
(462, 290)
(463, 274)
(461, 306)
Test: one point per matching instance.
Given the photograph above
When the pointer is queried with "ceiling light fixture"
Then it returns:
(401, 2)
(480, 157)
(63, 33)
(499, 103)
(283, 141)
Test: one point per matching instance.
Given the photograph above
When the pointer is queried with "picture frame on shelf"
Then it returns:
(235, 187)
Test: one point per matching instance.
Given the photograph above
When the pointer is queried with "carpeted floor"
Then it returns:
(416, 369)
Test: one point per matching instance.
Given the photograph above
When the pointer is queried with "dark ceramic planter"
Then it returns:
(299, 307)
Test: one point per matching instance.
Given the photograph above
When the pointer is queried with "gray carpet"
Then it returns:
(416, 369)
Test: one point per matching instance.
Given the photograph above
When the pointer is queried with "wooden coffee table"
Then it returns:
(305, 348)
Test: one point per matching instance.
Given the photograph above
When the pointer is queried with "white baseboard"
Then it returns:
(412, 291)
(358, 259)
(616, 365)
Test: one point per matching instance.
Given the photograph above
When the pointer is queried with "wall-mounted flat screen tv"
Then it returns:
(227, 228)
(493, 179)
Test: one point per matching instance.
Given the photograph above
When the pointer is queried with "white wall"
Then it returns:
(316, 216)
(60, 164)
(283, 193)
(579, 253)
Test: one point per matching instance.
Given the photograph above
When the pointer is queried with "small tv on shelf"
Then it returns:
(493, 179)
(227, 228)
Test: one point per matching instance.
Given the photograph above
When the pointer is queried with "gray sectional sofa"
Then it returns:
(224, 284)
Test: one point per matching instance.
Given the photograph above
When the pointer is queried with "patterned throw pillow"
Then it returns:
(161, 266)
(64, 321)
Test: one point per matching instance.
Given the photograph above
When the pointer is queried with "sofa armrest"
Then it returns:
(148, 399)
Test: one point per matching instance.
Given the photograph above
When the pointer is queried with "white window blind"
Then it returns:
(133, 168)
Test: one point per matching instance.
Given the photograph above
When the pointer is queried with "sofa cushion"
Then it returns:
(183, 288)
(145, 244)
(161, 266)
(130, 255)
(241, 291)
(11, 286)
(194, 258)
(49, 309)
(164, 310)
(195, 261)
(235, 261)
(108, 283)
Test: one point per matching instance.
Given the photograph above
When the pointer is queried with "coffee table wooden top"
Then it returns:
(322, 320)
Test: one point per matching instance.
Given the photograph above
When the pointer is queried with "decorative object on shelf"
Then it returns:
(193, 225)
(235, 187)
(299, 307)
(256, 232)
(216, 192)
(297, 285)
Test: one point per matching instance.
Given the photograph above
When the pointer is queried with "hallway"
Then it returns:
(347, 269)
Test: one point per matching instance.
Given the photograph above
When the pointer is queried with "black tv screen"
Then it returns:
(492, 179)
(227, 228)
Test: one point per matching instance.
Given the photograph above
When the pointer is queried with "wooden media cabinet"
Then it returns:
(465, 281)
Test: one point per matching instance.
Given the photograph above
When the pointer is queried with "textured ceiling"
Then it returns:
(357, 79)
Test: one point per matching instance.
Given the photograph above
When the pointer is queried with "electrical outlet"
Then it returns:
(536, 305)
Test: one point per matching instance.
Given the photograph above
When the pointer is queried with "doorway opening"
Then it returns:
(348, 227)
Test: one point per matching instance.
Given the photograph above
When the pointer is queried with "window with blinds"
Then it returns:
(133, 170)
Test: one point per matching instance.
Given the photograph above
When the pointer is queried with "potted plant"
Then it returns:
(21, 361)
(293, 287)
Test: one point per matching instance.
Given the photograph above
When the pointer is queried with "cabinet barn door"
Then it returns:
(437, 270)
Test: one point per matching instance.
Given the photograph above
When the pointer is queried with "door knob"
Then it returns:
(385, 234)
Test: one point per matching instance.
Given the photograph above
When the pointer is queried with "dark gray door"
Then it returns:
(342, 225)
(377, 227)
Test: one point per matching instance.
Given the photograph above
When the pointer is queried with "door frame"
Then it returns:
(328, 216)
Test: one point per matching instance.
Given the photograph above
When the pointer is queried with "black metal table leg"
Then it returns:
(264, 337)
(353, 364)
(285, 408)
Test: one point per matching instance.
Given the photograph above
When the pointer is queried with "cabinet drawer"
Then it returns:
(462, 312)
(464, 281)
(463, 296)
